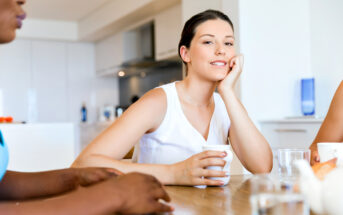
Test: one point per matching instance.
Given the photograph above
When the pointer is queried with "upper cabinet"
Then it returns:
(109, 54)
(168, 27)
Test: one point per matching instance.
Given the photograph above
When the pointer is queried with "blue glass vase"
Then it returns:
(307, 96)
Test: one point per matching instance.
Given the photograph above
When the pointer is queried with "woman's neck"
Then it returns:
(196, 92)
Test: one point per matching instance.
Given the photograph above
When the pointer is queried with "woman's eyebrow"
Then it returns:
(211, 35)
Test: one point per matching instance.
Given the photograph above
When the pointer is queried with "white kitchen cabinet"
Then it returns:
(289, 133)
(168, 27)
(109, 54)
(49, 81)
(15, 76)
(39, 147)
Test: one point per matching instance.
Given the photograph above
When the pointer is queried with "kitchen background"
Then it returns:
(105, 52)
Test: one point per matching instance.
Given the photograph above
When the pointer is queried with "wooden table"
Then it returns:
(230, 199)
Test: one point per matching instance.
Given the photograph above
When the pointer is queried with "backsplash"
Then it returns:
(145, 80)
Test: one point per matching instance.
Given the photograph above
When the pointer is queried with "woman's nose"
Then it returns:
(220, 50)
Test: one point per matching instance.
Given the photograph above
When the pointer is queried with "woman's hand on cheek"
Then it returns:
(235, 69)
(193, 170)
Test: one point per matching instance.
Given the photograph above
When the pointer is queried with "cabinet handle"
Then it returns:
(291, 130)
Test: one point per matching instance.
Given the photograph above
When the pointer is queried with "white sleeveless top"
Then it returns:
(176, 139)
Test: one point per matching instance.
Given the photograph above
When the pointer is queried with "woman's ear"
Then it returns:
(184, 54)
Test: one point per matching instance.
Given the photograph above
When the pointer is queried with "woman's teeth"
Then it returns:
(218, 63)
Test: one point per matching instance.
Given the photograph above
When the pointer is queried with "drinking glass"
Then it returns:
(263, 188)
(286, 159)
(270, 197)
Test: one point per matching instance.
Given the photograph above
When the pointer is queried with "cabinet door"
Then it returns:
(290, 135)
(108, 54)
(168, 27)
(49, 67)
(15, 76)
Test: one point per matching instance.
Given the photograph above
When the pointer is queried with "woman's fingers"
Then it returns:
(213, 173)
(161, 207)
(160, 193)
(233, 61)
(209, 182)
(200, 172)
(210, 154)
(315, 157)
(212, 162)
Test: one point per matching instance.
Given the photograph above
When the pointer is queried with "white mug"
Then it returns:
(228, 160)
(328, 151)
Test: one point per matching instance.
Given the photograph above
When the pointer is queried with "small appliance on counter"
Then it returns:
(120, 110)
(106, 113)
(83, 112)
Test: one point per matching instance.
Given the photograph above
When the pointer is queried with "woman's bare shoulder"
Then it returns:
(155, 96)
(153, 105)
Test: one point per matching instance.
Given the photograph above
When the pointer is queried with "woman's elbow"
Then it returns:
(264, 166)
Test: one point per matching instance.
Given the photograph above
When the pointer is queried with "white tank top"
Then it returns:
(176, 139)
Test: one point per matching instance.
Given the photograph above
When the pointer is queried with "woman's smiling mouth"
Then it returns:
(219, 63)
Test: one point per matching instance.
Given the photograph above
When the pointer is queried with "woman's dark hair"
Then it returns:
(188, 31)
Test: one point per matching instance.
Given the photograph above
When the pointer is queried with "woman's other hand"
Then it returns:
(314, 154)
(193, 170)
(139, 193)
(235, 69)
(92, 175)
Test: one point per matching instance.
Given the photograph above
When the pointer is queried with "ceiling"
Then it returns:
(63, 10)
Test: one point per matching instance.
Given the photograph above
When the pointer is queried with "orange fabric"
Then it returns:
(322, 169)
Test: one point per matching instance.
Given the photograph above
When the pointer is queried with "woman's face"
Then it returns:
(211, 49)
(11, 17)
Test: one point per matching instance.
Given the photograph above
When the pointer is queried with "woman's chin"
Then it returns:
(8, 38)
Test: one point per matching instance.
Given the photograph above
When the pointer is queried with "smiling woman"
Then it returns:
(187, 115)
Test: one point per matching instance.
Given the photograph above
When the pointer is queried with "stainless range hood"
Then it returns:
(139, 47)
(139, 52)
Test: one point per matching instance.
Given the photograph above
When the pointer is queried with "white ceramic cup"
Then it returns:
(328, 151)
(228, 160)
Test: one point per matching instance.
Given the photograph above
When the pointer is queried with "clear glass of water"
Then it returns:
(286, 159)
(269, 196)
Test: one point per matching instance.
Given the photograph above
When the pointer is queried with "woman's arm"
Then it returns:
(20, 185)
(145, 116)
(250, 146)
(131, 193)
(110, 147)
(331, 129)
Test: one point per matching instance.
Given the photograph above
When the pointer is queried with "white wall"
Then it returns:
(47, 81)
(48, 29)
(326, 49)
(284, 41)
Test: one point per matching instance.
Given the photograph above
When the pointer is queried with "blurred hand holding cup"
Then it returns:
(228, 160)
(330, 150)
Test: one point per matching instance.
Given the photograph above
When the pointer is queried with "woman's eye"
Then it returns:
(229, 44)
(207, 42)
